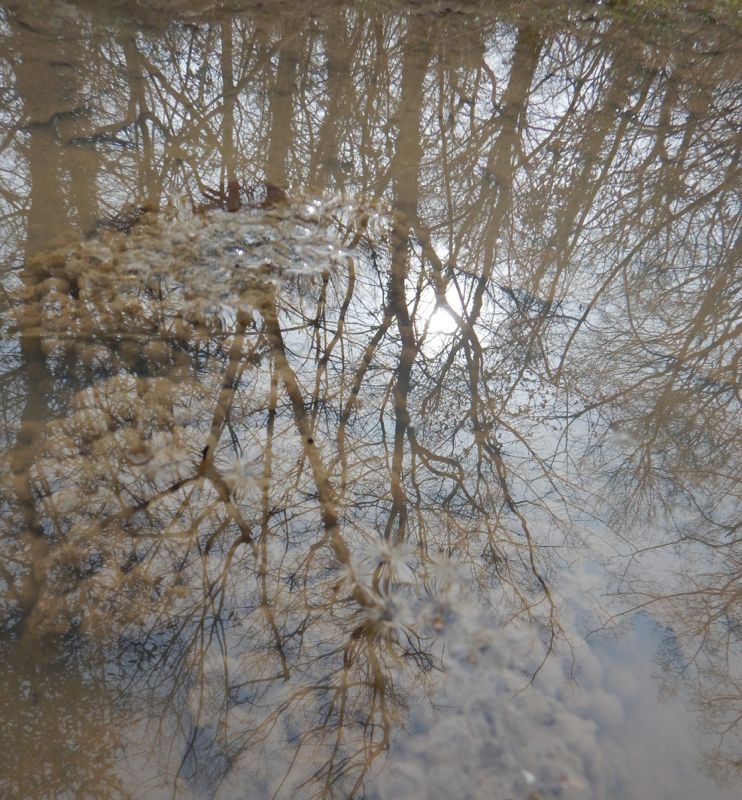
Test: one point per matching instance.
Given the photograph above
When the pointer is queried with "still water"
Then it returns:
(370, 400)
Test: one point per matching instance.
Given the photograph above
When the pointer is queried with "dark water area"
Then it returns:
(370, 400)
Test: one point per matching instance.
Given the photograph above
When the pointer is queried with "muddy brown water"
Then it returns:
(370, 401)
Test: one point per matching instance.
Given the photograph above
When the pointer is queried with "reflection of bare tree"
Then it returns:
(266, 470)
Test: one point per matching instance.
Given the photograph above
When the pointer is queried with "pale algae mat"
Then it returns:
(370, 400)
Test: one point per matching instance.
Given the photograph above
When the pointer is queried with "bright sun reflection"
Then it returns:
(441, 322)
(438, 320)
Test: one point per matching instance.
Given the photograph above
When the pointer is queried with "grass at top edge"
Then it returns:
(657, 13)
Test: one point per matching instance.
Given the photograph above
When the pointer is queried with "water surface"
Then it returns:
(370, 401)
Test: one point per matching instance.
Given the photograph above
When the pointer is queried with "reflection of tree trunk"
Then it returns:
(266, 603)
(695, 104)
(228, 146)
(326, 155)
(405, 168)
(81, 161)
(325, 490)
(149, 188)
(39, 86)
(326, 493)
(502, 156)
(500, 170)
(282, 105)
(585, 186)
(22, 459)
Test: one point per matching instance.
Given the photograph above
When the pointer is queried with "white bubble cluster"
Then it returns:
(217, 257)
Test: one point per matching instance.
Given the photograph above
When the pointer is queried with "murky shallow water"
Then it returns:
(370, 402)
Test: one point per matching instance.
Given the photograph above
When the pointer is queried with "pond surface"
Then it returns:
(370, 401)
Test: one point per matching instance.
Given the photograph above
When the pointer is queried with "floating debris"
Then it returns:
(177, 266)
